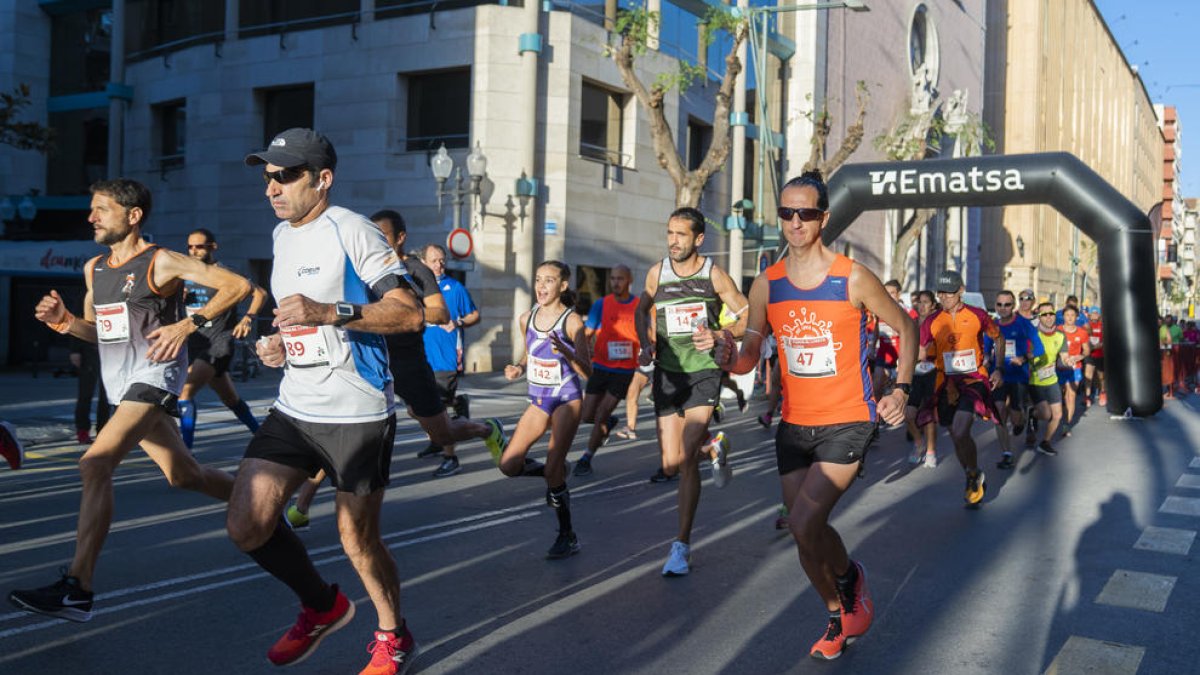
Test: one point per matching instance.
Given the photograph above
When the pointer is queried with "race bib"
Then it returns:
(544, 372)
(620, 351)
(305, 346)
(684, 319)
(810, 356)
(1010, 349)
(1095, 340)
(1045, 372)
(963, 361)
(925, 367)
(112, 323)
(189, 310)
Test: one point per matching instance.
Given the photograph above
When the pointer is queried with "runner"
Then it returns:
(685, 290)
(816, 303)
(337, 286)
(923, 386)
(86, 359)
(1093, 365)
(641, 377)
(1020, 343)
(412, 377)
(964, 389)
(1070, 377)
(771, 377)
(10, 446)
(444, 351)
(211, 347)
(1043, 380)
(887, 351)
(556, 356)
(1025, 306)
(614, 361)
(132, 309)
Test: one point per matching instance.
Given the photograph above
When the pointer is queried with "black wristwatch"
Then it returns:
(346, 312)
(904, 387)
(200, 320)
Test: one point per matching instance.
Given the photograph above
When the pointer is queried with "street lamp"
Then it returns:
(442, 165)
(22, 212)
(1020, 246)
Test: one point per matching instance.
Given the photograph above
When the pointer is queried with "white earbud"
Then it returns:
(321, 185)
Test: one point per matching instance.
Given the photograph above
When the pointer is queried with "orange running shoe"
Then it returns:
(390, 655)
(976, 487)
(831, 644)
(311, 627)
(858, 611)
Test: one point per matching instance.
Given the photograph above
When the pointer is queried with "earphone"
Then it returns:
(321, 185)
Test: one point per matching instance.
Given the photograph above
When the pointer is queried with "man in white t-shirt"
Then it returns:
(339, 288)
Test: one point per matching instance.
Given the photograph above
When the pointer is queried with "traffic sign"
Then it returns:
(459, 243)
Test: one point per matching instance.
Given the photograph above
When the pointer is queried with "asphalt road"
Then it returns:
(1029, 578)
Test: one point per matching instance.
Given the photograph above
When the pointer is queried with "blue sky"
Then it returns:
(1159, 36)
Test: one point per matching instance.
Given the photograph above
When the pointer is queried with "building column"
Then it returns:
(116, 106)
(232, 19)
(737, 170)
(523, 237)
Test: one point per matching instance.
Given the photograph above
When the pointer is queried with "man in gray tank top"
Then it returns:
(133, 311)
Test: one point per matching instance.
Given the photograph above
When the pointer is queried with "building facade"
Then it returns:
(1175, 291)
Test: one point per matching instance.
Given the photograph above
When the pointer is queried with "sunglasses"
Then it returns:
(196, 246)
(1004, 304)
(807, 215)
(1048, 314)
(1026, 298)
(284, 176)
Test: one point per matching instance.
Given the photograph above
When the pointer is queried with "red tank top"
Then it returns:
(616, 340)
(822, 342)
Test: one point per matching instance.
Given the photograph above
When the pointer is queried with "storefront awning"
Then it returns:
(46, 257)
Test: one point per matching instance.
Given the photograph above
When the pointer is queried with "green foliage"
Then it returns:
(22, 135)
(636, 26)
(916, 135)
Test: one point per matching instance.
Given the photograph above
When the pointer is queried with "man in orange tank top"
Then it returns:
(964, 388)
(816, 303)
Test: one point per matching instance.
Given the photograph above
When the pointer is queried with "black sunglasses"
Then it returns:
(284, 176)
(807, 215)
(1048, 314)
(1004, 304)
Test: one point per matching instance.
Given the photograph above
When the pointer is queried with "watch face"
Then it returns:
(344, 309)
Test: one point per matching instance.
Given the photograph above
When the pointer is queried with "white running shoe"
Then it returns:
(930, 460)
(722, 472)
(918, 453)
(677, 562)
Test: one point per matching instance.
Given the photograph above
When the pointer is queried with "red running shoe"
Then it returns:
(390, 655)
(857, 608)
(311, 627)
(831, 644)
(11, 448)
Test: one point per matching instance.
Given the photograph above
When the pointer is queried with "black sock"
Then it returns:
(284, 556)
(560, 499)
(848, 579)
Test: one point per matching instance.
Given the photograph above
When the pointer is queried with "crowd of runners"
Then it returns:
(360, 328)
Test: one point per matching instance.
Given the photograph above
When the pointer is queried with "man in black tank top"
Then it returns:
(210, 348)
(133, 310)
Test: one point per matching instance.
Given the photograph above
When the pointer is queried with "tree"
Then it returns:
(822, 124)
(22, 135)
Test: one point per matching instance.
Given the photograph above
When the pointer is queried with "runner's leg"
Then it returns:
(811, 494)
(531, 427)
(358, 524)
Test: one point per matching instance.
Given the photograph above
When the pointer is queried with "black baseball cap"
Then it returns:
(297, 147)
(949, 281)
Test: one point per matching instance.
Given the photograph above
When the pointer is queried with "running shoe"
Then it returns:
(311, 627)
(63, 599)
(1103, 398)
(661, 477)
(718, 410)
(831, 644)
(858, 610)
(449, 467)
(1066, 431)
(296, 519)
(627, 433)
(1046, 449)
(495, 441)
(742, 402)
(429, 451)
(82, 437)
(391, 654)
(462, 406)
(10, 446)
(765, 420)
(565, 546)
(1018, 429)
(677, 561)
(781, 521)
(918, 453)
(610, 425)
(1006, 461)
(930, 460)
(583, 467)
(722, 472)
(976, 487)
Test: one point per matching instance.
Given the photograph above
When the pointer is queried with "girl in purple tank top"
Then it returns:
(557, 357)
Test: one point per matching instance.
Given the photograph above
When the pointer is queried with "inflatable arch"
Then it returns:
(1122, 233)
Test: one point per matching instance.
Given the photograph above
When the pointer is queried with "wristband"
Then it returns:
(63, 326)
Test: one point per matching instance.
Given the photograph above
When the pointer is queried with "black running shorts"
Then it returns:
(677, 392)
(798, 447)
(1013, 394)
(614, 382)
(447, 385)
(946, 411)
(413, 381)
(145, 393)
(356, 456)
(1050, 393)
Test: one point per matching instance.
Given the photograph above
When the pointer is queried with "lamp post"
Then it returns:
(21, 212)
(442, 165)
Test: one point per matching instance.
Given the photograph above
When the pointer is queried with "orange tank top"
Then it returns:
(822, 342)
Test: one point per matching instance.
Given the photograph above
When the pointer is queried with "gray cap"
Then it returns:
(1029, 293)
(949, 281)
(297, 147)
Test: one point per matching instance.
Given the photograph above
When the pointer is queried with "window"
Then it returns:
(151, 24)
(285, 108)
(81, 157)
(170, 120)
(79, 51)
(439, 109)
(600, 122)
(699, 137)
(267, 17)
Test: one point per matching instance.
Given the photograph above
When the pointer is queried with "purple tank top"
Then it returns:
(548, 372)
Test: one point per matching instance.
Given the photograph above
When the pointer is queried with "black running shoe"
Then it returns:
(1046, 449)
(660, 477)
(1018, 429)
(462, 406)
(63, 599)
(1006, 461)
(565, 546)
(583, 467)
(448, 467)
(430, 451)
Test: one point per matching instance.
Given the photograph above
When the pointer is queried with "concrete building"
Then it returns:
(571, 171)
(1174, 289)
(1187, 253)
(1059, 82)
